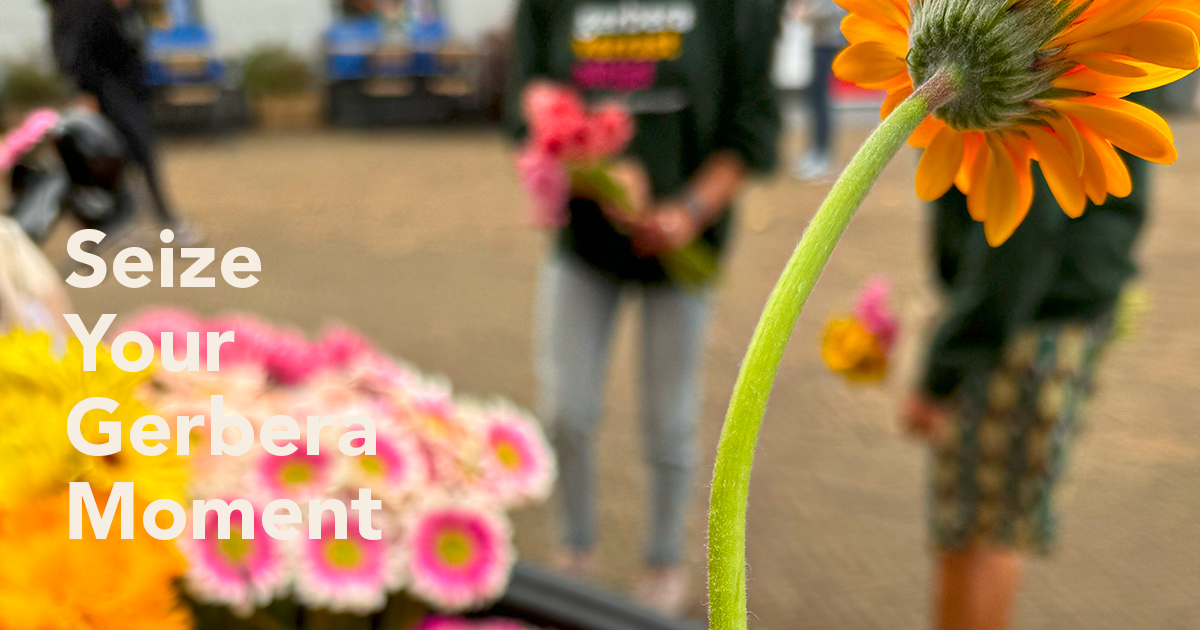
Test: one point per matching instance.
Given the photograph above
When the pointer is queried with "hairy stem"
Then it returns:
(735, 453)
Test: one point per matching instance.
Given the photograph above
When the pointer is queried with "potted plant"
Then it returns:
(278, 83)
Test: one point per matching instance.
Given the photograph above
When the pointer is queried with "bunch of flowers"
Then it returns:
(48, 580)
(858, 346)
(568, 144)
(446, 471)
(571, 149)
(27, 136)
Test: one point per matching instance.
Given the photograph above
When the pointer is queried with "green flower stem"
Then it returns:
(735, 453)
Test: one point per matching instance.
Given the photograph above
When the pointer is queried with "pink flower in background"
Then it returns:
(238, 572)
(518, 462)
(565, 138)
(297, 476)
(459, 556)
(873, 309)
(548, 185)
(348, 575)
(340, 347)
(437, 622)
(544, 101)
(24, 138)
(397, 469)
(613, 130)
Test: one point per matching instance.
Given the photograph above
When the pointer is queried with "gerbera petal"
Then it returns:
(940, 164)
(1066, 132)
(1095, 183)
(869, 64)
(859, 29)
(1186, 16)
(1116, 174)
(925, 132)
(1104, 17)
(1132, 127)
(971, 144)
(1154, 41)
(1000, 194)
(1084, 79)
(1058, 165)
(1107, 64)
(894, 99)
(885, 12)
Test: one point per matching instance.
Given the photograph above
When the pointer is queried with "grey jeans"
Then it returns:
(576, 313)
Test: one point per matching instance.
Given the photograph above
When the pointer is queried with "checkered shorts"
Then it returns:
(992, 479)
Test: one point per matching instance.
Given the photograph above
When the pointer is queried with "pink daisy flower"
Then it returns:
(240, 573)
(348, 575)
(341, 347)
(518, 463)
(438, 622)
(460, 556)
(397, 470)
(298, 476)
(874, 311)
(547, 185)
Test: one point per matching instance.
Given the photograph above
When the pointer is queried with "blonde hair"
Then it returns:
(32, 296)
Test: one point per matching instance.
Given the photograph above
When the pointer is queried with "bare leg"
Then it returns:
(977, 588)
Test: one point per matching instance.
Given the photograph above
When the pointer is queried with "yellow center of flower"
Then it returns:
(343, 554)
(508, 455)
(235, 547)
(372, 465)
(455, 548)
(295, 474)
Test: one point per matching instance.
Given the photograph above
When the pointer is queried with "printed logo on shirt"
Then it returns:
(618, 46)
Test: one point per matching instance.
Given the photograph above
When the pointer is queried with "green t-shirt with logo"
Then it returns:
(696, 74)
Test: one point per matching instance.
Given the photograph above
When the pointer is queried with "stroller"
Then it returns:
(71, 164)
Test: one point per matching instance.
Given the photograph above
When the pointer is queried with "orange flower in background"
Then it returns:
(853, 351)
(1034, 80)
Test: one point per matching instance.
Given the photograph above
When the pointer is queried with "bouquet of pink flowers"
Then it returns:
(571, 149)
(446, 470)
(24, 138)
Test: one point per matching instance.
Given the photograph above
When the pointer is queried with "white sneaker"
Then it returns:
(663, 590)
(815, 166)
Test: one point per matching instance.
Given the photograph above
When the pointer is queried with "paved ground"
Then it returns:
(414, 237)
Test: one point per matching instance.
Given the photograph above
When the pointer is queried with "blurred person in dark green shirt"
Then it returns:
(1008, 369)
(706, 119)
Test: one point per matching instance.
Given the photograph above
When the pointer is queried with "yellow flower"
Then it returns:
(852, 351)
(50, 582)
(37, 392)
(1036, 80)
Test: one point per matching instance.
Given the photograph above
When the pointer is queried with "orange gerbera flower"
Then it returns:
(1034, 80)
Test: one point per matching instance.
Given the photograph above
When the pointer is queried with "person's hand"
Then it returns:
(924, 418)
(87, 101)
(669, 228)
(632, 177)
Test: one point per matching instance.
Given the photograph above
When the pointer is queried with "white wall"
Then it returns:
(23, 29)
(470, 20)
(240, 25)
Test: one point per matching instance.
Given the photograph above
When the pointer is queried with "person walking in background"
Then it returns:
(825, 17)
(98, 45)
(695, 73)
(1008, 371)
